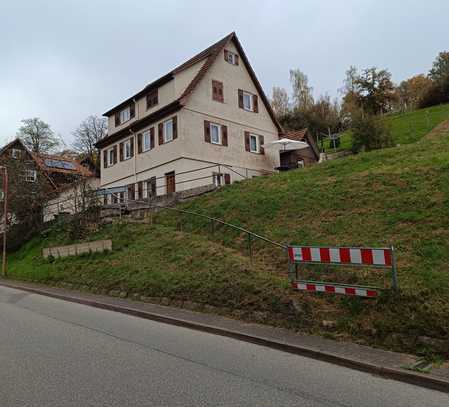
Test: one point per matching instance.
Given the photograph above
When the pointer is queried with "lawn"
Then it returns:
(397, 196)
(406, 128)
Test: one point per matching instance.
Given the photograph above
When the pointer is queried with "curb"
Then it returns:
(418, 379)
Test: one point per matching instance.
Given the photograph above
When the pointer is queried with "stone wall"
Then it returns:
(77, 249)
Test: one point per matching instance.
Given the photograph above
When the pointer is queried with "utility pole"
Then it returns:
(5, 217)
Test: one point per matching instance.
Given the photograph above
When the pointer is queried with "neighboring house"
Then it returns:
(303, 157)
(51, 177)
(202, 123)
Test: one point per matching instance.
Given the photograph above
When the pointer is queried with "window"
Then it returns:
(218, 179)
(15, 153)
(152, 99)
(111, 153)
(146, 141)
(247, 101)
(30, 175)
(125, 115)
(253, 143)
(217, 91)
(215, 133)
(168, 131)
(128, 149)
(151, 187)
(231, 57)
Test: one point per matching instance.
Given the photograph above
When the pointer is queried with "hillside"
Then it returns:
(396, 196)
(406, 127)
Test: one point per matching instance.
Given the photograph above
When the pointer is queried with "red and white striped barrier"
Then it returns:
(335, 289)
(341, 255)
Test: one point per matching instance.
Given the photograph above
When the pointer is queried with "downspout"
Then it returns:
(135, 143)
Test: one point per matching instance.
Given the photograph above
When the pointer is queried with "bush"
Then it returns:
(370, 133)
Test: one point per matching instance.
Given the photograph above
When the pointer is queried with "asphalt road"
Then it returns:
(57, 353)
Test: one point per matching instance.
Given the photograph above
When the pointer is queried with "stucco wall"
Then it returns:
(190, 145)
(68, 201)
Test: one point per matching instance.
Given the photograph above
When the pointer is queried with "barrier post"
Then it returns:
(291, 268)
(250, 249)
(394, 273)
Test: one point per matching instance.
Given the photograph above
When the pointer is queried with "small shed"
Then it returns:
(303, 157)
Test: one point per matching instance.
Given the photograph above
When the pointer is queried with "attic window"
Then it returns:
(231, 57)
(15, 153)
(152, 99)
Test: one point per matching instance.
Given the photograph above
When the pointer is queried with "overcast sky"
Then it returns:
(62, 60)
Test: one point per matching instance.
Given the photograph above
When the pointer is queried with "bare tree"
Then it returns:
(302, 92)
(89, 132)
(280, 101)
(38, 136)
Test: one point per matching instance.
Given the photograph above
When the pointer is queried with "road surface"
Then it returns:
(57, 353)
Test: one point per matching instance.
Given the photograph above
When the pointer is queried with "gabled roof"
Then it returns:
(209, 55)
(303, 135)
(45, 163)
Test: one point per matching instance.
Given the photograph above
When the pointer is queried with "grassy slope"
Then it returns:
(406, 127)
(396, 196)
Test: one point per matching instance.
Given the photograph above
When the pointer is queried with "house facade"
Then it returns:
(204, 123)
(46, 182)
(303, 157)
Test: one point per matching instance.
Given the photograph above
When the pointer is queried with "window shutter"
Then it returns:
(261, 142)
(105, 199)
(224, 135)
(140, 190)
(161, 133)
(217, 91)
(152, 138)
(206, 131)
(247, 148)
(226, 55)
(121, 152)
(132, 110)
(236, 59)
(175, 128)
(132, 146)
(139, 143)
(227, 179)
(115, 154)
(117, 119)
(240, 98)
(255, 104)
(105, 158)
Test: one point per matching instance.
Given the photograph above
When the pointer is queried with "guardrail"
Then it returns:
(213, 221)
(370, 257)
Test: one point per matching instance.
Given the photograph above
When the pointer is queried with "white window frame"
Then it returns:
(127, 153)
(251, 105)
(15, 153)
(146, 146)
(110, 157)
(219, 132)
(30, 175)
(231, 57)
(218, 179)
(256, 137)
(125, 115)
(166, 138)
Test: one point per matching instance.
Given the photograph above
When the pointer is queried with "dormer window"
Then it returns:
(231, 57)
(124, 115)
(152, 99)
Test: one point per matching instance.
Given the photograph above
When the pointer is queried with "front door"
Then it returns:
(170, 182)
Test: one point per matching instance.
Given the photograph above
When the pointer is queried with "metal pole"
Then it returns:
(5, 221)
(394, 273)
(250, 249)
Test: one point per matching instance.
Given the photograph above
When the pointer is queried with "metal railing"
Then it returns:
(250, 235)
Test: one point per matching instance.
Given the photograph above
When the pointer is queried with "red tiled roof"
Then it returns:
(298, 135)
(209, 55)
